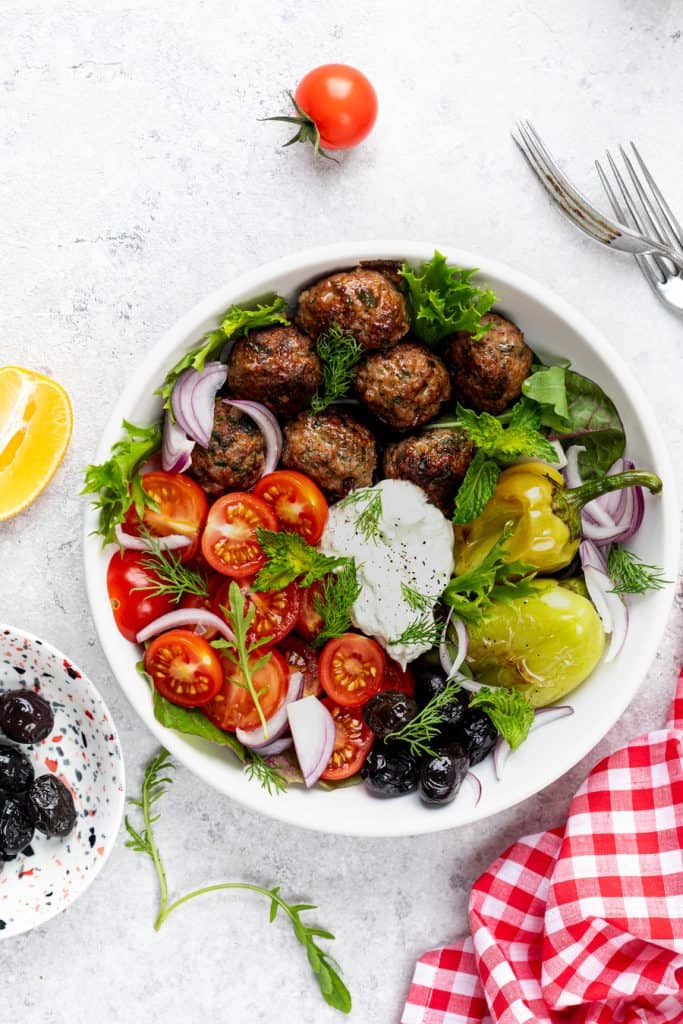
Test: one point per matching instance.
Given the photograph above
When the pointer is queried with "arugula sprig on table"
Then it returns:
(472, 593)
(118, 483)
(442, 300)
(156, 781)
(339, 353)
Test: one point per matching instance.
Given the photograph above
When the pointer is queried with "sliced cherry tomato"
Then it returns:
(276, 611)
(301, 657)
(397, 678)
(298, 503)
(182, 510)
(233, 707)
(130, 588)
(351, 669)
(214, 580)
(352, 743)
(342, 103)
(184, 668)
(229, 541)
(310, 621)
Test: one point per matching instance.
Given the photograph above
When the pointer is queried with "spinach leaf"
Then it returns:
(194, 723)
(592, 421)
(548, 386)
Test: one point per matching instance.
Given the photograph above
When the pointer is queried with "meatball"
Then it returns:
(436, 460)
(363, 302)
(334, 449)
(488, 374)
(235, 457)
(277, 366)
(404, 386)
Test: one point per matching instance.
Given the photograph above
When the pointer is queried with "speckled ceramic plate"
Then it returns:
(83, 751)
(554, 329)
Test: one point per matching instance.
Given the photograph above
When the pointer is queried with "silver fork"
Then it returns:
(648, 211)
(579, 210)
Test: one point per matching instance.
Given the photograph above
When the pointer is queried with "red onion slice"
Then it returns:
(192, 400)
(542, 716)
(276, 747)
(269, 427)
(313, 732)
(277, 724)
(171, 542)
(614, 517)
(609, 606)
(475, 783)
(186, 617)
(448, 664)
(176, 448)
(181, 403)
(572, 473)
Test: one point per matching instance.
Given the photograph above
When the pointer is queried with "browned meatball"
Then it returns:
(277, 366)
(363, 302)
(405, 386)
(488, 374)
(333, 448)
(436, 460)
(235, 457)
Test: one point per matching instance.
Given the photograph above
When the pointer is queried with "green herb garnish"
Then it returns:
(235, 323)
(631, 575)
(415, 600)
(269, 777)
(548, 386)
(425, 632)
(339, 592)
(505, 443)
(477, 488)
(173, 579)
(424, 728)
(239, 615)
(339, 353)
(442, 300)
(291, 558)
(194, 722)
(510, 712)
(142, 840)
(473, 592)
(367, 520)
(118, 482)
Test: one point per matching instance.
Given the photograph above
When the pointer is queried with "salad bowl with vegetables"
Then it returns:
(367, 519)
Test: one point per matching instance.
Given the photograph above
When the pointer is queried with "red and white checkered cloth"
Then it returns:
(581, 924)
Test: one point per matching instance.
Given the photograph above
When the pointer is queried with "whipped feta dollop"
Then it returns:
(411, 546)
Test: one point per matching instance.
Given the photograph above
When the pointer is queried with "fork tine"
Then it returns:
(630, 205)
(660, 230)
(652, 276)
(665, 209)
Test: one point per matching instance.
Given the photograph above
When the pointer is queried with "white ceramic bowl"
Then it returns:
(83, 751)
(552, 327)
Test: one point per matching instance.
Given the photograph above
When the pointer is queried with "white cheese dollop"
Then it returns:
(414, 545)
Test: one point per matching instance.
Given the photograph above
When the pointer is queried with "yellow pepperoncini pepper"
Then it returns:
(545, 519)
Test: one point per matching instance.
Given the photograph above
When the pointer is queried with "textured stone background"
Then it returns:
(135, 179)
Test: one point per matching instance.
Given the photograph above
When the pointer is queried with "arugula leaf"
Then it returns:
(291, 558)
(548, 386)
(442, 300)
(631, 575)
(592, 421)
(520, 437)
(193, 722)
(339, 353)
(340, 591)
(509, 710)
(471, 593)
(236, 322)
(117, 481)
(476, 490)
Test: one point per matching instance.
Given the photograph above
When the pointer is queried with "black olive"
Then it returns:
(51, 806)
(390, 770)
(452, 715)
(388, 711)
(476, 734)
(442, 776)
(25, 716)
(429, 682)
(16, 830)
(16, 771)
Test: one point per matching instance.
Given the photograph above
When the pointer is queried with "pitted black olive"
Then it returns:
(25, 716)
(390, 770)
(441, 776)
(388, 711)
(429, 681)
(16, 771)
(16, 830)
(476, 734)
(51, 806)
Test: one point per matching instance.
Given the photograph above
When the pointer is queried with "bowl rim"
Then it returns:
(118, 801)
(340, 255)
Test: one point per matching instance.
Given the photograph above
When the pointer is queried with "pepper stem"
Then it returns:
(591, 489)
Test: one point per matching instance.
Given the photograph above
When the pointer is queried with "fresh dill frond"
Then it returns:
(415, 600)
(425, 631)
(339, 592)
(368, 518)
(422, 730)
(256, 767)
(339, 353)
(631, 575)
(173, 579)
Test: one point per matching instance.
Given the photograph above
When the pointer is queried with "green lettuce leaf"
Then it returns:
(442, 300)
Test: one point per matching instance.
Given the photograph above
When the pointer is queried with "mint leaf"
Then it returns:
(509, 710)
(442, 300)
(476, 490)
(521, 437)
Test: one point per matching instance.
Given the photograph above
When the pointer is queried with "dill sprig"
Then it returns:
(339, 592)
(367, 520)
(425, 631)
(339, 353)
(415, 600)
(423, 729)
(173, 579)
(142, 840)
(631, 575)
(269, 777)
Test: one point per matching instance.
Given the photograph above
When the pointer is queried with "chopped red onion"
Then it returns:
(171, 542)
(186, 617)
(449, 664)
(277, 724)
(193, 397)
(176, 448)
(269, 427)
(313, 732)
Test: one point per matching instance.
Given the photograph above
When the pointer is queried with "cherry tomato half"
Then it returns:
(310, 621)
(182, 510)
(341, 101)
(352, 742)
(130, 588)
(301, 657)
(298, 503)
(276, 611)
(233, 708)
(351, 669)
(229, 541)
(184, 668)
(397, 678)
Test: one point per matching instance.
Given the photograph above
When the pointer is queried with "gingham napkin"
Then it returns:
(581, 924)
